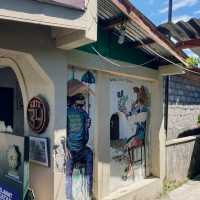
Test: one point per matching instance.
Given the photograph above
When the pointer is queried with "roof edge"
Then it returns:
(135, 15)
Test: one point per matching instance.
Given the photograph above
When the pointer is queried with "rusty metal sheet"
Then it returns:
(76, 4)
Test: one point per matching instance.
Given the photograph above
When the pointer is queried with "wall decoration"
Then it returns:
(129, 113)
(79, 154)
(14, 179)
(7, 193)
(14, 161)
(80, 132)
(38, 114)
(39, 151)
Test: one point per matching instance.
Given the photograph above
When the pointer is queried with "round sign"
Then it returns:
(38, 114)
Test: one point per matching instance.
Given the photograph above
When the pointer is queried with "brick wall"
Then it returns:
(184, 104)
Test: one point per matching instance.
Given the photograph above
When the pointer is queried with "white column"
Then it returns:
(102, 139)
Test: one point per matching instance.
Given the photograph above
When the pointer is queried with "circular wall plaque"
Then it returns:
(38, 114)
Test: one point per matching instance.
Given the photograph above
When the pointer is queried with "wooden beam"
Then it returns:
(190, 44)
(138, 44)
(94, 62)
(167, 70)
(141, 21)
(114, 21)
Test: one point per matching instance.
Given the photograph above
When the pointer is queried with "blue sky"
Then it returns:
(157, 10)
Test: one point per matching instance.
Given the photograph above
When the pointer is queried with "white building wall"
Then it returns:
(44, 69)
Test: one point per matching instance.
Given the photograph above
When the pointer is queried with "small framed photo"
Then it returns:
(39, 151)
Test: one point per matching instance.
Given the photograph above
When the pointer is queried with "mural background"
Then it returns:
(121, 98)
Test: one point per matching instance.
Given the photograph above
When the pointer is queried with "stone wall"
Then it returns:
(184, 104)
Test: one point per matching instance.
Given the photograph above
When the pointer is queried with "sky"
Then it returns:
(157, 10)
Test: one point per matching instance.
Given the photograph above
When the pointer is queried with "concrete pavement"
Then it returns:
(189, 191)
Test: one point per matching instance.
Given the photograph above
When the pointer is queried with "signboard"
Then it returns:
(14, 175)
(8, 193)
(76, 4)
(38, 114)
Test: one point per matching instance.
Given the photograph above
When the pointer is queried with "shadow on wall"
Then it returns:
(194, 168)
(191, 132)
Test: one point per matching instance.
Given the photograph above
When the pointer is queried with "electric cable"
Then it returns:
(116, 64)
(166, 59)
(171, 62)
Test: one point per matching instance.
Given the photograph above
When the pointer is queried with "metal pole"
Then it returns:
(167, 78)
(170, 11)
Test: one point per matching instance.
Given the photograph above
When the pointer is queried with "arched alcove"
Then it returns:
(33, 79)
(11, 101)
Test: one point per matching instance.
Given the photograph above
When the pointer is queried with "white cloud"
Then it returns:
(176, 19)
(177, 4)
(184, 18)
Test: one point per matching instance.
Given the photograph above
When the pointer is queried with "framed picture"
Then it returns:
(39, 151)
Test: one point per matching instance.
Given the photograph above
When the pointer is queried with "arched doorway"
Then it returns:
(13, 162)
(32, 80)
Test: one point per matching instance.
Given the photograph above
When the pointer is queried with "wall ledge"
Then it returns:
(181, 140)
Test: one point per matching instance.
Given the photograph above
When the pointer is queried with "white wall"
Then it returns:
(41, 69)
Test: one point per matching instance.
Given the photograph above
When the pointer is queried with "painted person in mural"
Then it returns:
(139, 109)
(77, 151)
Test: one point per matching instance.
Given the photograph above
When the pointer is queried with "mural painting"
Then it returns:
(128, 122)
(78, 151)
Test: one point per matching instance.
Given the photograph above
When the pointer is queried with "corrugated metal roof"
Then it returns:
(107, 10)
(183, 31)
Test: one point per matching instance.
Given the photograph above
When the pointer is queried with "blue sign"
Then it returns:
(8, 193)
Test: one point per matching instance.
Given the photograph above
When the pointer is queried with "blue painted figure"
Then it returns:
(77, 151)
